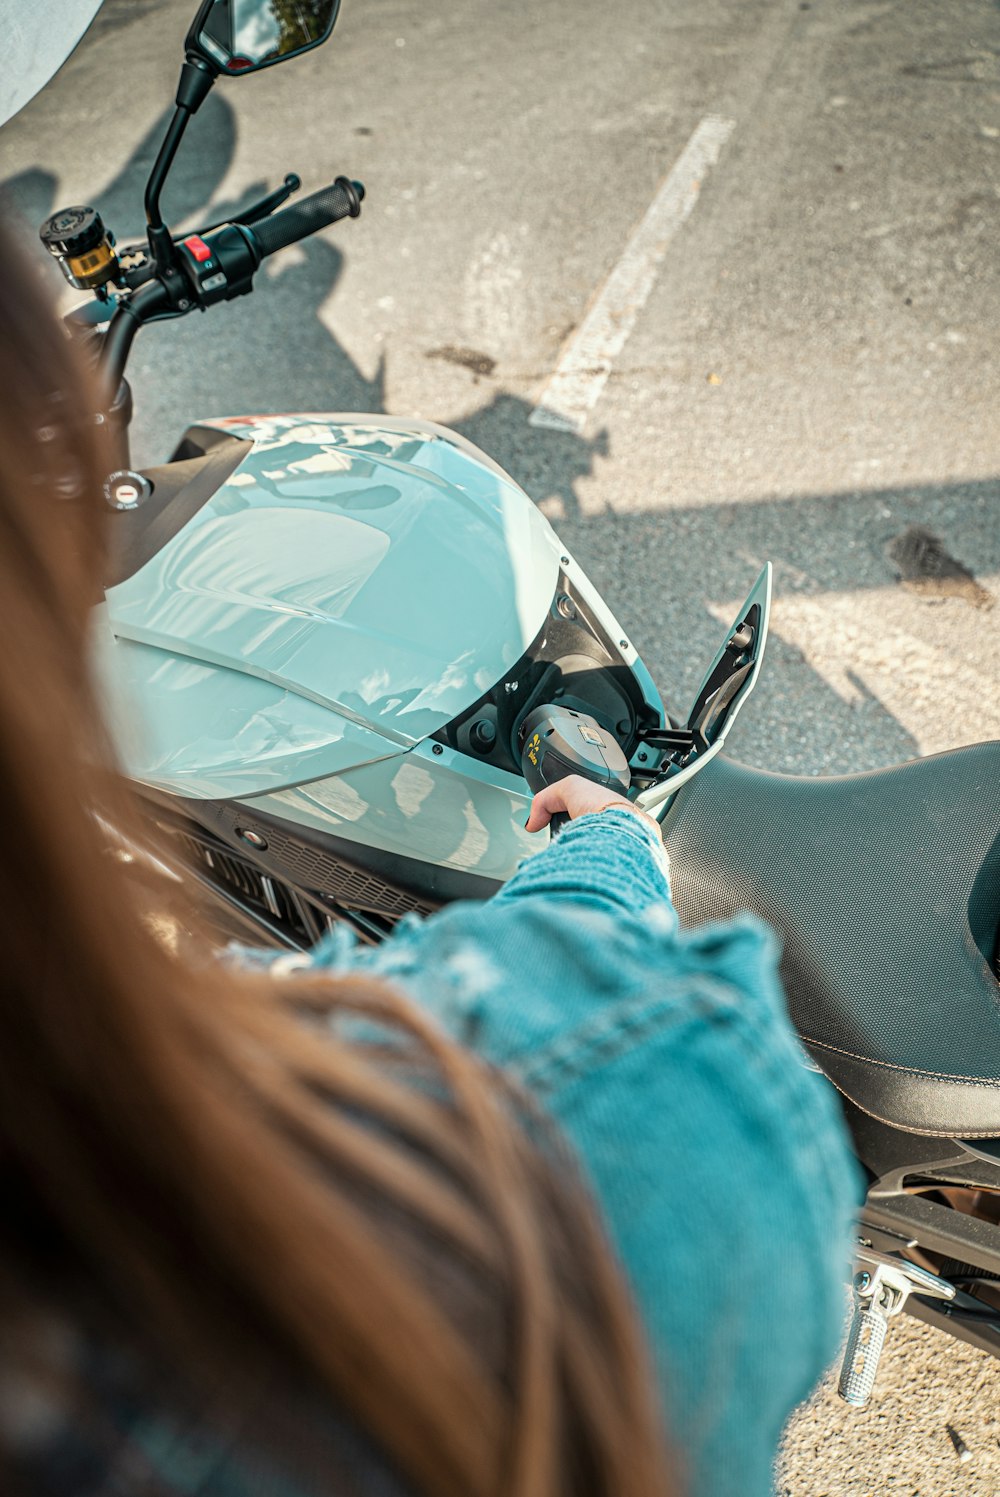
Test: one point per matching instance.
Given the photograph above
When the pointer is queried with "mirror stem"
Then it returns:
(195, 81)
(192, 89)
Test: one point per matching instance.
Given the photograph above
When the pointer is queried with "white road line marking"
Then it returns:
(574, 388)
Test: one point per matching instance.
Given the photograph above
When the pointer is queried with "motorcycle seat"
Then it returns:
(885, 890)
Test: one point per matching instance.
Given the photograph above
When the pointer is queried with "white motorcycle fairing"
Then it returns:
(350, 589)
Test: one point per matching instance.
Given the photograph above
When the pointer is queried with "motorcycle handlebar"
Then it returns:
(341, 200)
(219, 267)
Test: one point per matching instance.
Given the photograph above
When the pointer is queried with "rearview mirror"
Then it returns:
(240, 36)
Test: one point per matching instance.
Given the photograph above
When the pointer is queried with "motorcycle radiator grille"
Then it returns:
(231, 873)
(350, 886)
(324, 874)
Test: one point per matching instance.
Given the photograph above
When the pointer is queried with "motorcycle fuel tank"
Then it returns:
(349, 588)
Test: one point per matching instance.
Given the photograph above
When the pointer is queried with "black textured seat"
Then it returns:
(885, 888)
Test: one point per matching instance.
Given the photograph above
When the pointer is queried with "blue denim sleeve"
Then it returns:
(667, 1058)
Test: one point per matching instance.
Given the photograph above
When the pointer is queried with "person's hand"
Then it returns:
(577, 796)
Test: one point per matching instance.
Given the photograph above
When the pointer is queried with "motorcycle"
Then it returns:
(342, 651)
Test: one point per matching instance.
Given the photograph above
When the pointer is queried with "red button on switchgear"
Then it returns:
(198, 248)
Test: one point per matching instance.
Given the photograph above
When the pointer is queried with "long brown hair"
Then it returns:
(180, 1145)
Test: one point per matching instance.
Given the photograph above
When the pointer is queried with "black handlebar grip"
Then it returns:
(341, 200)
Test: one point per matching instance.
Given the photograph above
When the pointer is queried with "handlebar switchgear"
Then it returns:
(221, 265)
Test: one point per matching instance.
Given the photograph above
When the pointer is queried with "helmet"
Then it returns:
(37, 41)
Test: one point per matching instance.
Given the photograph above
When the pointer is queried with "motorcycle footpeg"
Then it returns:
(882, 1285)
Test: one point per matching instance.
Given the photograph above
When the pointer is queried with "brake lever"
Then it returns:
(136, 265)
(262, 209)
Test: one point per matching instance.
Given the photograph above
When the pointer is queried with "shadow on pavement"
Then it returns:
(681, 564)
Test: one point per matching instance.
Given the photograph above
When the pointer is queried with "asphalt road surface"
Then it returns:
(809, 373)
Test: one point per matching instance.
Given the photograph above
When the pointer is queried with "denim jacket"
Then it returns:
(718, 1159)
(718, 1156)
